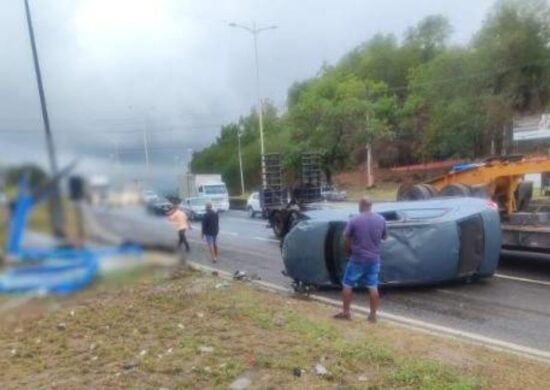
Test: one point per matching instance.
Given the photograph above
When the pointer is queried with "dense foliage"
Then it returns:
(415, 99)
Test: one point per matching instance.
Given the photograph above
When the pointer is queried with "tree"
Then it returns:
(37, 175)
(513, 49)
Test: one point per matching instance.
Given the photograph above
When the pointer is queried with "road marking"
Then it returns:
(229, 233)
(266, 239)
(526, 280)
(410, 323)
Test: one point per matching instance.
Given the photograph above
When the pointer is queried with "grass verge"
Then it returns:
(189, 330)
(382, 192)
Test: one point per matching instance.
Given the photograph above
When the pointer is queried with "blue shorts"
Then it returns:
(361, 274)
(211, 240)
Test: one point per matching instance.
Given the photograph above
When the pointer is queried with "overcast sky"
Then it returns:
(113, 68)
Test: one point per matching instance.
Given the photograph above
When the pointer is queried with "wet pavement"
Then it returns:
(513, 306)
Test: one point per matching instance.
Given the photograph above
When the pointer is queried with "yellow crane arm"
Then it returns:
(501, 177)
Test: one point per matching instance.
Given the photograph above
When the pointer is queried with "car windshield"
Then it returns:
(215, 189)
(197, 202)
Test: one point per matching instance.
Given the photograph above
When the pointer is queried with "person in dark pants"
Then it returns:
(210, 230)
(181, 223)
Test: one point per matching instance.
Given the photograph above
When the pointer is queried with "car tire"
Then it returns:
(278, 224)
(251, 212)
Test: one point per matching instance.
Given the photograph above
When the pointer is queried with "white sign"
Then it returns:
(531, 128)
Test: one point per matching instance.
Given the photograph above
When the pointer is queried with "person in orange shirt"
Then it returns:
(180, 221)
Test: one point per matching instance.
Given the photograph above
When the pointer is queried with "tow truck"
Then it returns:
(501, 180)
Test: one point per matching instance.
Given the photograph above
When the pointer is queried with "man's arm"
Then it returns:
(347, 245)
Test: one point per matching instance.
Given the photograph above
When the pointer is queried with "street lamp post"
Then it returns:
(255, 31)
(239, 134)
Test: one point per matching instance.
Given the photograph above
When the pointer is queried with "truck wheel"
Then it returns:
(416, 192)
(278, 223)
(524, 194)
(251, 212)
(431, 189)
(456, 189)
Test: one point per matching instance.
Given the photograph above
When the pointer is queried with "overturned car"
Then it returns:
(428, 242)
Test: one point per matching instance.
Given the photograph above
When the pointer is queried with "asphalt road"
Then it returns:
(513, 306)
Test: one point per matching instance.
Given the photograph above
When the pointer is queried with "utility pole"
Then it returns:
(239, 134)
(57, 219)
(146, 153)
(370, 178)
(255, 31)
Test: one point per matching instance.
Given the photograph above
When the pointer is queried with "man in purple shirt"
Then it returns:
(362, 239)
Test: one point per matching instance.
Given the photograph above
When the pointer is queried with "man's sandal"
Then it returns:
(342, 316)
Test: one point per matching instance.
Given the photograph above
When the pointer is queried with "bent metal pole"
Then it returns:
(56, 208)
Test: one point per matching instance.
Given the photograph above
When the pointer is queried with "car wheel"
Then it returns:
(278, 223)
(251, 212)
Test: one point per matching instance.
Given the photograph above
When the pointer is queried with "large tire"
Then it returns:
(456, 189)
(524, 194)
(251, 212)
(416, 192)
(278, 224)
(403, 188)
(431, 189)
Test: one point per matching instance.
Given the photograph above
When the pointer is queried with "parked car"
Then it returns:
(428, 242)
(159, 207)
(333, 194)
(253, 206)
(150, 196)
(195, 208)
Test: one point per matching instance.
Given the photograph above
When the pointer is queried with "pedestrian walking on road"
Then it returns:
(181, 223)
(362, 240)
(210, 230)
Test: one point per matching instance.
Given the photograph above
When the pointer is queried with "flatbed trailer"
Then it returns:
(501, 180)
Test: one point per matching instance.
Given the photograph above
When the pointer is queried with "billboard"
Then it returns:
(532, 127)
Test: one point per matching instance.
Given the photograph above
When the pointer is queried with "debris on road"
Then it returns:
(205, 349)
(297, 372)
(61, 326)
(363, 378)
(320, 369)
(241, 276)
(129, 365)
(241, 383)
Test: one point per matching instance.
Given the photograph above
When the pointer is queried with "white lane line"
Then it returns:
(265, 239)
(526, 280)
(239, 220)
(417, 325)
(229, 233)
